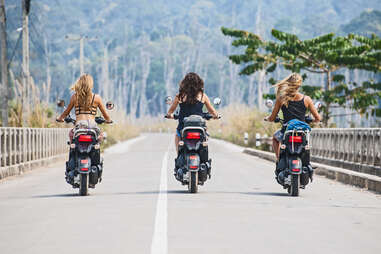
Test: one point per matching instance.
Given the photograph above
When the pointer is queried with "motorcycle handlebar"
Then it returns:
(98, 120)
(68, 119)
(308, 120)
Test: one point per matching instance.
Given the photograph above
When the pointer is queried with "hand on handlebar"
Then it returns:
(219, 116)
(169, 116)
(59, 120)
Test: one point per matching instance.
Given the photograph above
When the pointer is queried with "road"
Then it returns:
(140, 208)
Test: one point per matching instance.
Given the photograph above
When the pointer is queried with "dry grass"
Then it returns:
(238, 119)
(122, 129)
(40, 116)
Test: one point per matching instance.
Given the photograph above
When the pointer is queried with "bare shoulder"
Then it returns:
(73, 98)
(307, 100)
(205, 98)
(97, 99)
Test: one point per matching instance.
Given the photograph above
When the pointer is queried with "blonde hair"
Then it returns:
(83, 88)
(288, 88)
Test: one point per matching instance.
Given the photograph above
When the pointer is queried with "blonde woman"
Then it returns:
(86, 104)
(293, 105)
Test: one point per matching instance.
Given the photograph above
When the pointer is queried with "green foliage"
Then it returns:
(325, 54)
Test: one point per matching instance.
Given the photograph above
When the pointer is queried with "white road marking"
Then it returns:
(123, 147)
(160, 236)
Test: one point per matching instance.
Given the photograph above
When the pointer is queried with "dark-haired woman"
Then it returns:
(191, 98)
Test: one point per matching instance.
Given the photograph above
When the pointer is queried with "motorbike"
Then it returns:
(85, 165)
(193, 165)
(293, 170)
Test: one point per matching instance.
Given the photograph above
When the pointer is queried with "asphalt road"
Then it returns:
(140, 208)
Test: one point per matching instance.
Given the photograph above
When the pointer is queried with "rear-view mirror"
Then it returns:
(217, 101)
(60, 103)
(110, 105)
(269, 103)
(168, 100)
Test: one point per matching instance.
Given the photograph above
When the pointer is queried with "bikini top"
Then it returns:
(82, 111)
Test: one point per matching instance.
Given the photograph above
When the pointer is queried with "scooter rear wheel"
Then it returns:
(193, 182)
(84, 186)
(293, 190)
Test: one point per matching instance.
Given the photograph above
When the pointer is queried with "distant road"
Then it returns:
(140, 208)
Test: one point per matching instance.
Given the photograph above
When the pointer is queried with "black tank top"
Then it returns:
(295, 110)
(187, 109)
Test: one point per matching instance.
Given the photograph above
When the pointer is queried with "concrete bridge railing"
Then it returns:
(357, 149)
(23, 148)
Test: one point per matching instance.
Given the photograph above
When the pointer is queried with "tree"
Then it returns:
(325, 55)
(4, 65)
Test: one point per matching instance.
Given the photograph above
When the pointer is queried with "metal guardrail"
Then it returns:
(22, 145)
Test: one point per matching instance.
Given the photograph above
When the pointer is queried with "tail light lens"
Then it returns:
(295, 139)
(193, 135)
(84, 169)
(85, 138)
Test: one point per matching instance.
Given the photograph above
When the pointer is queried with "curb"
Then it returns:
(20, 169)
(362, 180)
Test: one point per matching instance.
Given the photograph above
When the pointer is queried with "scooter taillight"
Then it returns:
(193, 135)
(295, 139)
(85, 138)
(84, 169)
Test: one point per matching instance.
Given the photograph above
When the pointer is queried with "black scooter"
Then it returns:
(192, 165)
(85, 165)
(294, 171)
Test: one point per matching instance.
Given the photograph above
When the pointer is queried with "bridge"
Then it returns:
(140, 208)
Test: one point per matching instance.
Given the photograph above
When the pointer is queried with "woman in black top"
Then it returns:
(293, 105)
(191, 98)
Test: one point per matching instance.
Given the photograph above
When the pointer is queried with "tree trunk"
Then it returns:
(4, 65)
(48, 76)
(26, 100)
(146, 67)
(327, 106)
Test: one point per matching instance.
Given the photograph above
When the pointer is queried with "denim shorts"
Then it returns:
(178, 133)
(278, 135)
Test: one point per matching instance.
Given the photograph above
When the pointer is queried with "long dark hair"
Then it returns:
(190, 87)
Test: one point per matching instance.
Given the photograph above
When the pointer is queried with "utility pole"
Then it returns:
(4, 65)
(81, 39)
(25, 55)
(81, 67)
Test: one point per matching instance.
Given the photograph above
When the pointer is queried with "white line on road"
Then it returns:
(159, 240)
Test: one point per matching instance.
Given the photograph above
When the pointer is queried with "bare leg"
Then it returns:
(276, 147)
(177, 140)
